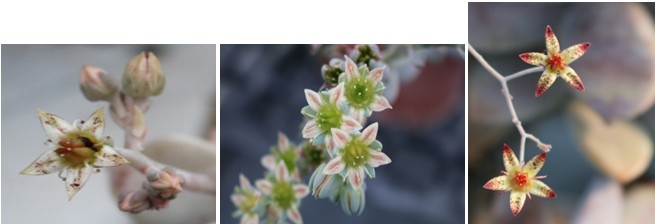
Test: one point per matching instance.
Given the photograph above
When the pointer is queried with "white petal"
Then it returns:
(282, 141)
(380, 104)
(377, 158)
(249, 219)
(376, 75)
(369, 133)
(329, 145)
(334, 166)
(340, 138)
(349, 123)
(76, 178)
(268, 161)
(109, 157)
(356, 177)
(294, 215)
(236, 199)
(244, 182)
(311, 129)
(48, 162)
(358, 115)
(54, 126)
(313, 99)
(264, 186)
(281, 171)
(300, 191)
(351, 69)
(95, 123)
(336, 94)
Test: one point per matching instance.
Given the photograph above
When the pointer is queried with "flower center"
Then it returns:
(78, 148)
(360, 92)
(282, 194)
(355, 153)
(248, 205)
(555, 62)
(520, 180)
(328, 117)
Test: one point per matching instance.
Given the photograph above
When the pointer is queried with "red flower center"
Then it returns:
(520, 179)
(555, 62)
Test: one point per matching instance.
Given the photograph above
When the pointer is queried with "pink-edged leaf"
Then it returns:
(516, 201)
(356, 177)
(541, 189)
(380, 103)
(349, 123)
(335, 166)
(572, 78)
(95, 123)
(313, 99)
(499, 183)
(311, 129)
(76, 178)
(376, 75)
(552, 45)
(574, 52)
(351, 69)
(268, 161)
(282, 141)
(534, 58)
(281, 171)
(109, 157)
(377, 158)
(264, 186)
(534, 165)
(48, 162)
(509, 159)
(244, 182)
(370, 133)
(340, 138)
(54, 126)
(294, 215)
(300, 191)
(336, 94)
(547, 79)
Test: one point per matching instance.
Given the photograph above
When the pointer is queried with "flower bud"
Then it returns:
(143, 76)
(352, 201)
(331, 72)
(96, 84)
(325, 186)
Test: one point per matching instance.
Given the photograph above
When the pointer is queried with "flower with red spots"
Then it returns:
(75, 150)
(521, 180)
(556, 63)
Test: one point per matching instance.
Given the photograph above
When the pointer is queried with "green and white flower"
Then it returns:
(363, 90)
(285, 152)
(247, 200)
(284, 194)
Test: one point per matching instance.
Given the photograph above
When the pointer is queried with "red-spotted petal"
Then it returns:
(351, 69)
(294, 215)
(356, 177)
(534, 58)
(542, 190)
(349, 123)
(244, 182)
(509, 159)
(300, 191)
(574, 52)
(264, 186)
(377, 158)
(109, 157)
(572, 78)
(340, 138)
(281, 171)
(282, 141)
(313, 99)
(381, 103)
(76, 178)
(551, 41)
(376, 75)
(499, 183)
(48, 162)
(54, 126)
(370, 133)
(311, 129)
(336, 94)
(547, 79)
(95, 123)
(516, 201)
(534, 165)
(335, 166)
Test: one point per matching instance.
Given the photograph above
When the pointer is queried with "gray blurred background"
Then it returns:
(47, 77)
(262, 93)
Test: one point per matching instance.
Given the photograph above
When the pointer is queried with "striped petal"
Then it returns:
(294, 215)
(509, 159)
(76, 178)
(349, 123)
(534, 165)
(499, 183)
(281, 171)
(310, 130)
(547, 79)
(574, 52)
(542, 190)
(572, 78)
(335, 166)
(95, 123)
(377, 158)
(300, 191)
(376, 75)
(329, 144)
(244, 182)
(237, 199)
(48, 162)
(340, 138)
(336, 94)
(369, 133)
(268, 161)
(551, 41)
(516, 201)
(380, 103)
(313, 99)
(282, 141)
(356, 177)
(534, 58)
(351, 69)
(264, 186)
(54, 126)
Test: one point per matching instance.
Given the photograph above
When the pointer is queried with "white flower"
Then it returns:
(286, 152)
(247, 200)
(284, 194)
(363, 90)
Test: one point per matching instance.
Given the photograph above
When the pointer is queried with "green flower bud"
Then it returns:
(143, 76)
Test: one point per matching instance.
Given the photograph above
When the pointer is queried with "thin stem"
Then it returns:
(508, 98)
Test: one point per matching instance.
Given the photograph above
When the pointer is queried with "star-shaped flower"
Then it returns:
(75, 150)
(247, 200)
(556, 63)
(521, 180)
(286, 152)
(326, 110)
(363, 90)
(356, 154)
(285, 194)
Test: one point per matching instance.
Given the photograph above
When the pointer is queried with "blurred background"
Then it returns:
(47, 77)
(262, 93)
(601, 164)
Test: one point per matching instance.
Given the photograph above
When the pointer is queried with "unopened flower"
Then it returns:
(331, 72)
(326, 111)
(325, 185)
(96, 84)
(352, 200)
(285, 152)
(285, 194)
(166, 182)
(556, 63)
(363, 90)
(143, 76)
(75, 150)
(247, 200)
(366, 54)
(356, 154)
(521, 180)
